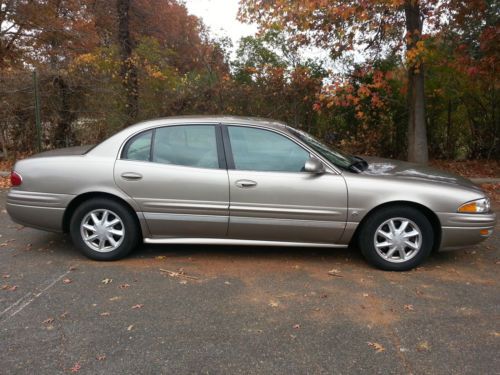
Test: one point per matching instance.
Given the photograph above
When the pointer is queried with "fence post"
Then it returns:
(37, 112)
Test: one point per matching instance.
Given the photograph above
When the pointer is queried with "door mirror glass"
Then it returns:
(314, 165)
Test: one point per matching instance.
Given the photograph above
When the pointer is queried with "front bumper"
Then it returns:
(459, 230)
(38, 210)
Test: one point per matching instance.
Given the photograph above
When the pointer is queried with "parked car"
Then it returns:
(244, 181)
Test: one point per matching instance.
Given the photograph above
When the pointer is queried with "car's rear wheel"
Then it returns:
(396, 238)
(104, 229)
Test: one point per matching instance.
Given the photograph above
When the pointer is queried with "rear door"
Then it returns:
(178, 177)
(271, 198)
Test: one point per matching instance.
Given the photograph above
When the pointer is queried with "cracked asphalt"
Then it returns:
(229, 310)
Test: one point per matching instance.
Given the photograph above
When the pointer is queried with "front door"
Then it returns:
(272, 198)
(177, 176)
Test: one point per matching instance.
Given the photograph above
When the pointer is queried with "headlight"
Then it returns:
(479, 206)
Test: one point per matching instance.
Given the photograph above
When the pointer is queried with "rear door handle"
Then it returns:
(131, 176)
(245, 183)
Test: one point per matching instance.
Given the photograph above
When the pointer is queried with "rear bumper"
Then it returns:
(38, 210)
(460, 230)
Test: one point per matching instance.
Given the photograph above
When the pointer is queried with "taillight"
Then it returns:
(15, 178)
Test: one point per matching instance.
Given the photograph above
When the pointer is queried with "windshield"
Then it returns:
(333, 155)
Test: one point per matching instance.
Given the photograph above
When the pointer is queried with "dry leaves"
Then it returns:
(48, 321)
(100, 357)
(9, 288)
(376, 346)
(106, 313)
(138, 306)
(409, 307)
(130, 327)
(334, 272)
(423, 346)
(273, 304)
(179, 273)
(107, 281)
(76, 367)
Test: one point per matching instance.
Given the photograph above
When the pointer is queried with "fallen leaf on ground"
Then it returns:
(179, 273)
(100, 357)
(334, 272)
(138, 306)
(273, 304)
(423, 346)
(376, 346)
(116, 298)
(409, 307)
(365, 294)
(48, 321)
(107, 281)
(76, 367)
(106, 313)
(130, 327)
(227, 283)
(64, 315)
(67, 281)
(10, 288)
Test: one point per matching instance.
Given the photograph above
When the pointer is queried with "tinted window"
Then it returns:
(138, 147)
(263, 150)
(191, 145)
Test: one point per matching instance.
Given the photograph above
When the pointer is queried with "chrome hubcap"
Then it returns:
(398, 240)
(102, 230)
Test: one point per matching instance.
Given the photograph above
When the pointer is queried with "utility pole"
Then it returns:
(37, 112)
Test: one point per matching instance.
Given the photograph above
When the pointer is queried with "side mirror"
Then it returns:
(313, 165)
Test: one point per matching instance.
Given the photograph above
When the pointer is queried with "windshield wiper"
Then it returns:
(359, 164)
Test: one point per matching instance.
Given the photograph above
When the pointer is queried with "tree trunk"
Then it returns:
(417, 132)
(128, 70)
(63, 136)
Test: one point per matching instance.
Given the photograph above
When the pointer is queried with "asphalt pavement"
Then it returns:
(250, 310)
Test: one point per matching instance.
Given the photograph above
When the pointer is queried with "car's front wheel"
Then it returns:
(103, 229)
(396, 238)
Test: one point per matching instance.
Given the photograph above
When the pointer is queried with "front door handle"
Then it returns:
(245, 183)
(131, 176)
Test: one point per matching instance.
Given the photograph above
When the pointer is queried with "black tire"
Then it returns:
(371, 225)
(129, 240)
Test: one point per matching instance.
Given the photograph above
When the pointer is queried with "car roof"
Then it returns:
(203, 119)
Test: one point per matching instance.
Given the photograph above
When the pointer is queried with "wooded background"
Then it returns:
(404, 78)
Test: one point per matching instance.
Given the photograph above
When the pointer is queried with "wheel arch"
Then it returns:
(79, 199)
(429, 214)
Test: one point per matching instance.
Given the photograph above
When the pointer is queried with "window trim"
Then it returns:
(229, 150)
(221, 157)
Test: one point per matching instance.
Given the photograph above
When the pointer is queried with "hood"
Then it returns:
(412, 171)
(67, 151)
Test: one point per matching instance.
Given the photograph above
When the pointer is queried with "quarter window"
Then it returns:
(138, 148)
(264, 150)
(189, 145)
